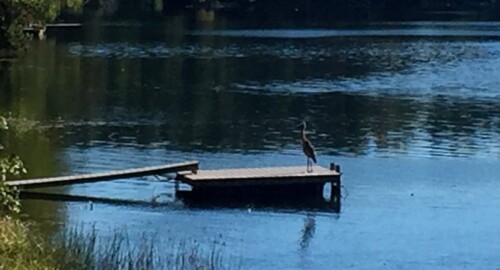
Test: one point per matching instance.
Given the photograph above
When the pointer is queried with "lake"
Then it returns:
(411, 111)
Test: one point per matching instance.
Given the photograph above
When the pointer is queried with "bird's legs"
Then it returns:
(309, 165)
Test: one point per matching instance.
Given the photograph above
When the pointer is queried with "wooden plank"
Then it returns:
(63, 25)
(271, 172)
(254, 176)
(40, 30)
(105, 176)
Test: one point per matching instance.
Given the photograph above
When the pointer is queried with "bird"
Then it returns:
(307, 147)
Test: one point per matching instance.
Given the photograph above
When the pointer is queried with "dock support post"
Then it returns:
(335, 167)
(335, 185)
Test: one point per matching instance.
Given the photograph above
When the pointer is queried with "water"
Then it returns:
(409, 110)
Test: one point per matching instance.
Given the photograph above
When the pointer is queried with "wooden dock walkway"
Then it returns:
(268, 185)
(191, 166)
(35, 27)
(39, 30)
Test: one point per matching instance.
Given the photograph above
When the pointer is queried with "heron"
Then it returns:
(307, 147)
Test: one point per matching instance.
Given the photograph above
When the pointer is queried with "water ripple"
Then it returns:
(415, 69)
(322, 33)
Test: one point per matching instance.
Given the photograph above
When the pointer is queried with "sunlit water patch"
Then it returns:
(418, 70)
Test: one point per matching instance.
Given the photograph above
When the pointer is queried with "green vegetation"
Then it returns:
(78, 250)
(15, 15)
(23, 247)
(9, 166)
(19, 249)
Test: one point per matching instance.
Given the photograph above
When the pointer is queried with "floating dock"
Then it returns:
(275, 185)
(39, 30)
(269, 185)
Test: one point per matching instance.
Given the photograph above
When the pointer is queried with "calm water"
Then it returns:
(411, 112)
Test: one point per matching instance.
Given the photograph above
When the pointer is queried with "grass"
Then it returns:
(22, 247)
(19, 249)
(116, 252)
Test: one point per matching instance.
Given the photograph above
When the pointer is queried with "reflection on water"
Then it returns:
(308, 230)
(342, 124)
(409, 68)
(405, 109)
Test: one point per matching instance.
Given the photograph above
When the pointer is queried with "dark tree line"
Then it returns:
(331, 10)
(15, 15)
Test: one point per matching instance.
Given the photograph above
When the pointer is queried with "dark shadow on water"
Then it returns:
(34, 195)
(249, 201)
(187, 200)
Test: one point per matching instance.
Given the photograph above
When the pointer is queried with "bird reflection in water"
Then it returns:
(307, 232)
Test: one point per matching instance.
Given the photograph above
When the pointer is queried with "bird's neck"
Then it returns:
(303, 134)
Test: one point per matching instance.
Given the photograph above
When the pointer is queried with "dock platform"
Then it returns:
(269, 184)
(259, 176)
